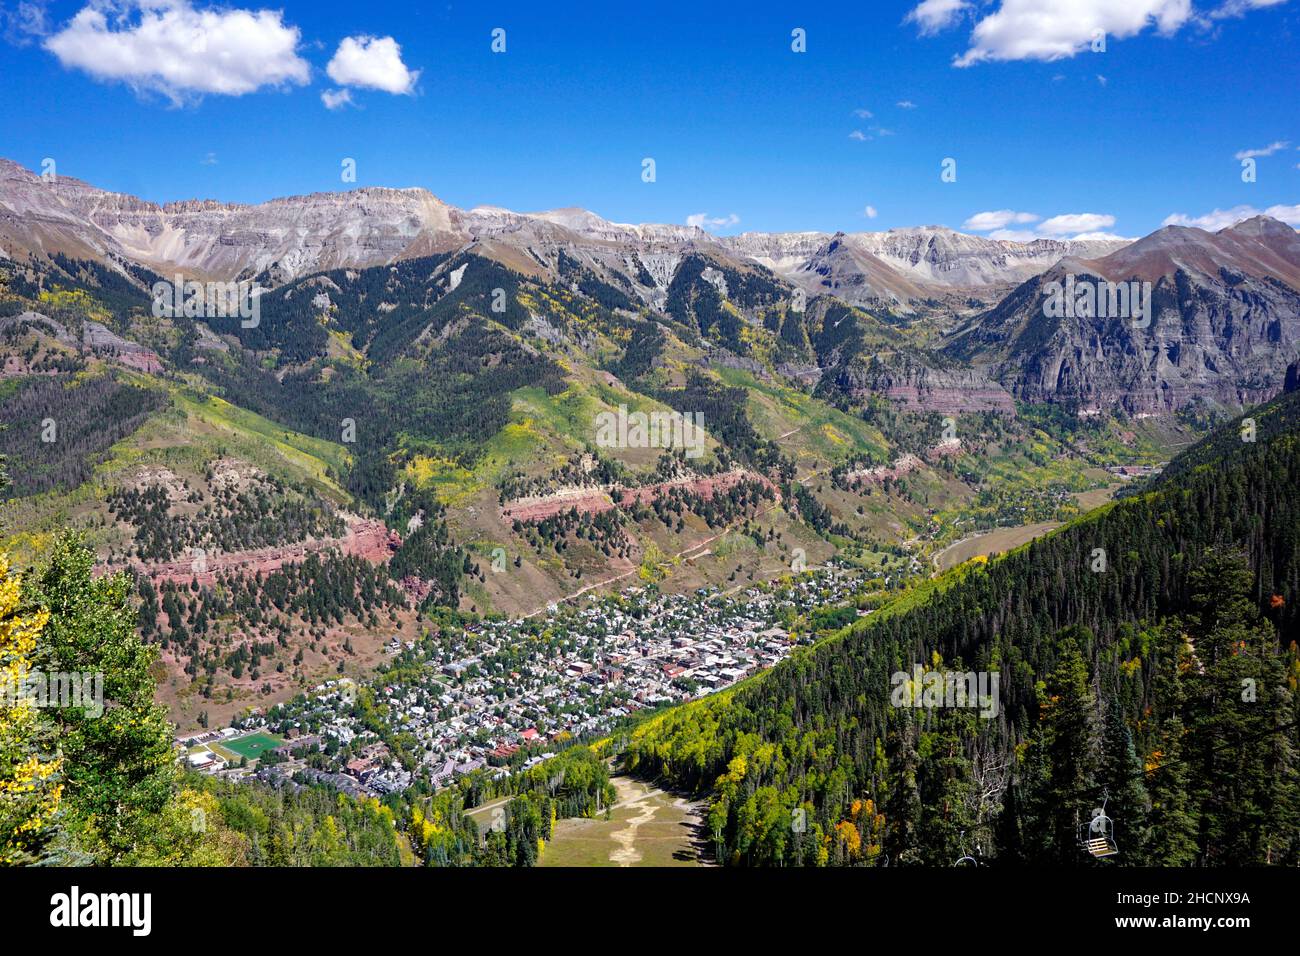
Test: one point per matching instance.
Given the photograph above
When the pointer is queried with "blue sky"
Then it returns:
(743, 129)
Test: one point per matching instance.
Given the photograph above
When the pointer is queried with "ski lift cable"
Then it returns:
(1233, 743)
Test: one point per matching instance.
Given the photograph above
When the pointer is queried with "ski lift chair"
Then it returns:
(1097, 836)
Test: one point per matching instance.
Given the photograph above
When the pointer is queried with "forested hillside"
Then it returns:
(1146, 661)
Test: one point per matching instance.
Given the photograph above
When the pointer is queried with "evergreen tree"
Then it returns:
(1123, 782)
(1068, 715)
(1239, 697)
(946, 788)
(903, 803)
(1171, 836)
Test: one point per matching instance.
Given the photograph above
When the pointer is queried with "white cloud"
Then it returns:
(905, 105)
(1268, 150)
(1239, 8)
(862, 137)
(371, 63)
(870, 212)
(1055, 29)
(1074, 223)
(336, 99)
(931, 16)
(172, 48)
(702, 220)
(1287, 214)
(997, 219)
(1212, 221)
(863, 114)
(1222, 218)
(209, 160)
(26, 22)
(1101, 79)
(1029, 235)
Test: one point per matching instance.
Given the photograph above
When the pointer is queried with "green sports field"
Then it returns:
(253, 745)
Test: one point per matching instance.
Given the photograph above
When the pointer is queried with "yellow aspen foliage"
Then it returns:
(848, 835)
(29, 791)
(824, 850)
(871, 825)
(423, 829)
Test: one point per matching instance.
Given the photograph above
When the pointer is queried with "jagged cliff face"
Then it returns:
(1224, 326)
(282, 239)
(952, 259)
(919, 385)
(901, 266)
(785, 253)
(640, 261)
(35, 219)
(278, 240)
(843, 268)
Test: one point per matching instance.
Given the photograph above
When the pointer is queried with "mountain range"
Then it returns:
(287, 238)
(1225, 302)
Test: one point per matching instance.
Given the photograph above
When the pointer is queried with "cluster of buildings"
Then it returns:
(1129, 472)
(472, 700)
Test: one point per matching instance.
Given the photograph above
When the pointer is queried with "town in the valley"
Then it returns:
(503, 695)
